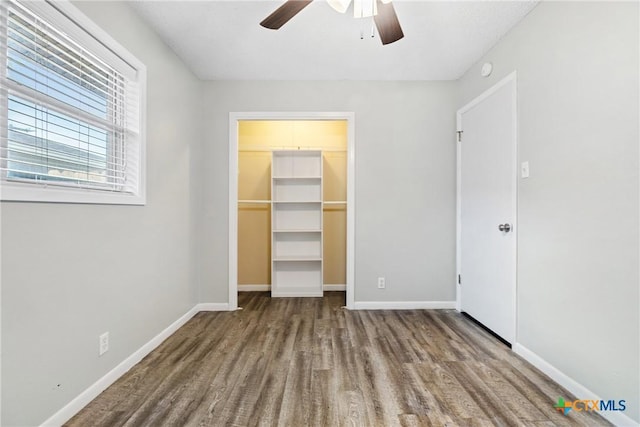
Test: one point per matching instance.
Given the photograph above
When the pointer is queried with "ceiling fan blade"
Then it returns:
(281, 15)
(387, 23)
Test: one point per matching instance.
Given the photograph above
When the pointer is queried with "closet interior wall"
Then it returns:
(256, 140)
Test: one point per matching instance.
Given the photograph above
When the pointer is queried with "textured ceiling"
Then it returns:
(221, 40)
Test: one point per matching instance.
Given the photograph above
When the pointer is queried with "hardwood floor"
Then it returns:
(308, 362)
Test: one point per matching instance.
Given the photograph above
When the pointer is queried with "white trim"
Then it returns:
(1, 205)
(233, 211)
(515, 195)
(265, 288)
(254, 288)
(83, 399)
(511, 77)
(458, 212)
(404, 305)
(234, 117)
(36, 192)
(351, 212)
(573, 386)
(213, 306)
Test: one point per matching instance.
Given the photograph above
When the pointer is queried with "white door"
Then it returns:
(487, 208)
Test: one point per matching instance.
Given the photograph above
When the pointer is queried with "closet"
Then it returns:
(292, 206)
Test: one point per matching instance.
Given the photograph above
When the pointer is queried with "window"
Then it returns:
(71, 108)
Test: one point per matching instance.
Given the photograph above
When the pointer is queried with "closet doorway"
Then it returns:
(253, 140)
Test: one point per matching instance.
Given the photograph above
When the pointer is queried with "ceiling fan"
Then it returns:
(382, 11)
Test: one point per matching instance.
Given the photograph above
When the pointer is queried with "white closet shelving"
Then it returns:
(296, 223)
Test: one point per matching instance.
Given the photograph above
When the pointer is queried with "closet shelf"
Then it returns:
(297, 178)
(298, 231)
(294, 258)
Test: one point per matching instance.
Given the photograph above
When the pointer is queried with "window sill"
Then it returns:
(19, 192)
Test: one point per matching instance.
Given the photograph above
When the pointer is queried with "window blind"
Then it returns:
(69, 117)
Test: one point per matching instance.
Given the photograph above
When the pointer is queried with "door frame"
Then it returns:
(510, 78)
(234, 118)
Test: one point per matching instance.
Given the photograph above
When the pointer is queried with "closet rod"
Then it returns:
(270, 149)
(266, 202)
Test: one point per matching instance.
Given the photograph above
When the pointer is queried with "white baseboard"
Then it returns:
(73, 407)
(573, 386)
(265, 288)
(254, 288)
(212, 306)
(83, 399)
(403, 305)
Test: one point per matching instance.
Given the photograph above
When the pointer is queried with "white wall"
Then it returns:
(72, 272)
(405, 179)
(577, 65)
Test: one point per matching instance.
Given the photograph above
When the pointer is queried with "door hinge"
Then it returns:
(459, 132)
(459, 279)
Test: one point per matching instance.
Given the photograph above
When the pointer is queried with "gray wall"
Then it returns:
(405, 179)
(577, 65)
(72, 272)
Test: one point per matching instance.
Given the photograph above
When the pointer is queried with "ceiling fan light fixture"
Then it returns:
(339, 6)
(384, 15)
(365, 8)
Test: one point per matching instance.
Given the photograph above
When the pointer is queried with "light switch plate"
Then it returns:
(524, 169)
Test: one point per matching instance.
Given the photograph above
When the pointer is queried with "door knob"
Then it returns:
(504, 227)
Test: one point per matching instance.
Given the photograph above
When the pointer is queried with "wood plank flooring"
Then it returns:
(308, 362)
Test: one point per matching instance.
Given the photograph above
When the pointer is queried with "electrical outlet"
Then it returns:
(381, 283)
(104, 343)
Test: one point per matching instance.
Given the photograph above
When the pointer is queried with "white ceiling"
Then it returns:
(222, 40)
